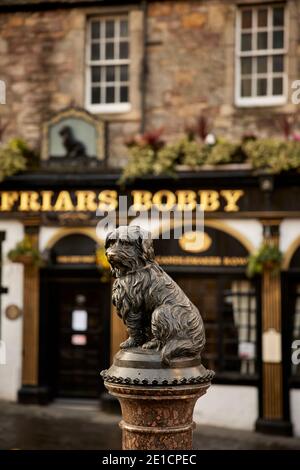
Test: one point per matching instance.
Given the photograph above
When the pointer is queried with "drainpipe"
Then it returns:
(144, 71)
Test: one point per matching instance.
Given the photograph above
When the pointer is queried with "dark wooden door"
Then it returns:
(78, 342)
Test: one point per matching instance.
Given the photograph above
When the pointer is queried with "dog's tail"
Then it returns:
(178, 348)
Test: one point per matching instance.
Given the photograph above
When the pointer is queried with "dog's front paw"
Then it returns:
(153, 344)
(129, 343)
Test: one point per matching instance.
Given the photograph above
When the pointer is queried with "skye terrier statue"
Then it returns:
(157, 313)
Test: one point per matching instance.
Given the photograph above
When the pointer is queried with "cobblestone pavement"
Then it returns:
(73, 425)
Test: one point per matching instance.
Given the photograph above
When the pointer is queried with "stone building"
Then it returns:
(139, 66)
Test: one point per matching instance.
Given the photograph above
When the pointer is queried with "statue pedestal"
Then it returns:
(157, 402)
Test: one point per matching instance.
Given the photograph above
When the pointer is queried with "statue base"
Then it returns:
(157, 402)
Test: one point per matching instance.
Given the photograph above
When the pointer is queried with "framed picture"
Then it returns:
(73, 135)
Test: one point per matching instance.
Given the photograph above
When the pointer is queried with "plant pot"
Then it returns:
(271, 265)
(221, 167)
(27, 260)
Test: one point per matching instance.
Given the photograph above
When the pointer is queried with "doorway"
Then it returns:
(74, 331)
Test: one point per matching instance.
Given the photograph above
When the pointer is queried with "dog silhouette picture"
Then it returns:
(74, 147)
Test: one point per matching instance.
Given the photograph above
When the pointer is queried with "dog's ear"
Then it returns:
(107, 240)
(147, 247)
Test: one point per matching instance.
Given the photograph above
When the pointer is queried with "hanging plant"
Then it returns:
(148, 154)
(13, 158)
(268, 256)
(142, 152)
(102, 264)
(273, 155)
(25, 253)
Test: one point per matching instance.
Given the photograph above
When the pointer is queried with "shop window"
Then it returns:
(108, 64)
(229, 307)
(231, 329)
(261, 56)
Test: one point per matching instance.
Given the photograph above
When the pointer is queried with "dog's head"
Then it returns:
(128, 248)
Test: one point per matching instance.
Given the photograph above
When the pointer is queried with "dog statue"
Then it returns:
(157, 313)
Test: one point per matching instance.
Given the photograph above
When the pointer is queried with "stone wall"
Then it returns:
(193, 43)
(190, 63)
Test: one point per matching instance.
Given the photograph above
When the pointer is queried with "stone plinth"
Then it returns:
(157, 402)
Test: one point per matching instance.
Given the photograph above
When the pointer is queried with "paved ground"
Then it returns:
(70, 425)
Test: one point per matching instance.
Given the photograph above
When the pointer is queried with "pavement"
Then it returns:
(73, 425)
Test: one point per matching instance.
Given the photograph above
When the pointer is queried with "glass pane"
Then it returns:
(124, 94)
(110, 94)
(110, 74)
(277, 86)
(261, 87)
(95, 51)
(96, 74)
(246, 66)
(278, 16)
(96, 95)
(262, 18)
(262, 40)
(277, 39)
(246, 19)
(246, 42)
(262, 64)
(124, 50)
(124, 28)
(109, 29)
(278, 63)
(246, 87)
(95, 30)
(124, 73)
(109, 50)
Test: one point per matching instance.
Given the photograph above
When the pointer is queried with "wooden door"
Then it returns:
(77, 330)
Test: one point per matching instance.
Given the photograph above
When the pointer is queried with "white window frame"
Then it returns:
(103, 108)
(254, 101)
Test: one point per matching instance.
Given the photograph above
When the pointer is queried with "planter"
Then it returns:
(221, 167)
(26, 260)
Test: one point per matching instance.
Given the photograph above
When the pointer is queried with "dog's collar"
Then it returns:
(135, 271)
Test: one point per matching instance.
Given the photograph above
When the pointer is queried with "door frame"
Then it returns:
(48, 334)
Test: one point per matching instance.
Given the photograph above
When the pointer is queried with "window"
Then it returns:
(231, 330)
(108, 65)
(229, 306)
(261, 56)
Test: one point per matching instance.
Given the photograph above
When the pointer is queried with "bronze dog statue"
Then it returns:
(157, 313)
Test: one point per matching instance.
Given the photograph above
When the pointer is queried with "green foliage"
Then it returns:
(141, 162)
(273, 155)
(25, 249)
(148, 155)
(267, 256)
(221, 152)
(184, 152)
(13, 158)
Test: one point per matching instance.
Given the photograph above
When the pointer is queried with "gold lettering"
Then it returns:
(232, 196)
(46, 201)
(141, 200)
(164, 194)
(86, 201)
(186, 200)
(209, 200)
(29, 201)
(108, 200)
(64, 202)
(8, 200)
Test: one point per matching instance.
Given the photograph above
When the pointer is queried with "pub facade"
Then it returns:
(96, 74)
